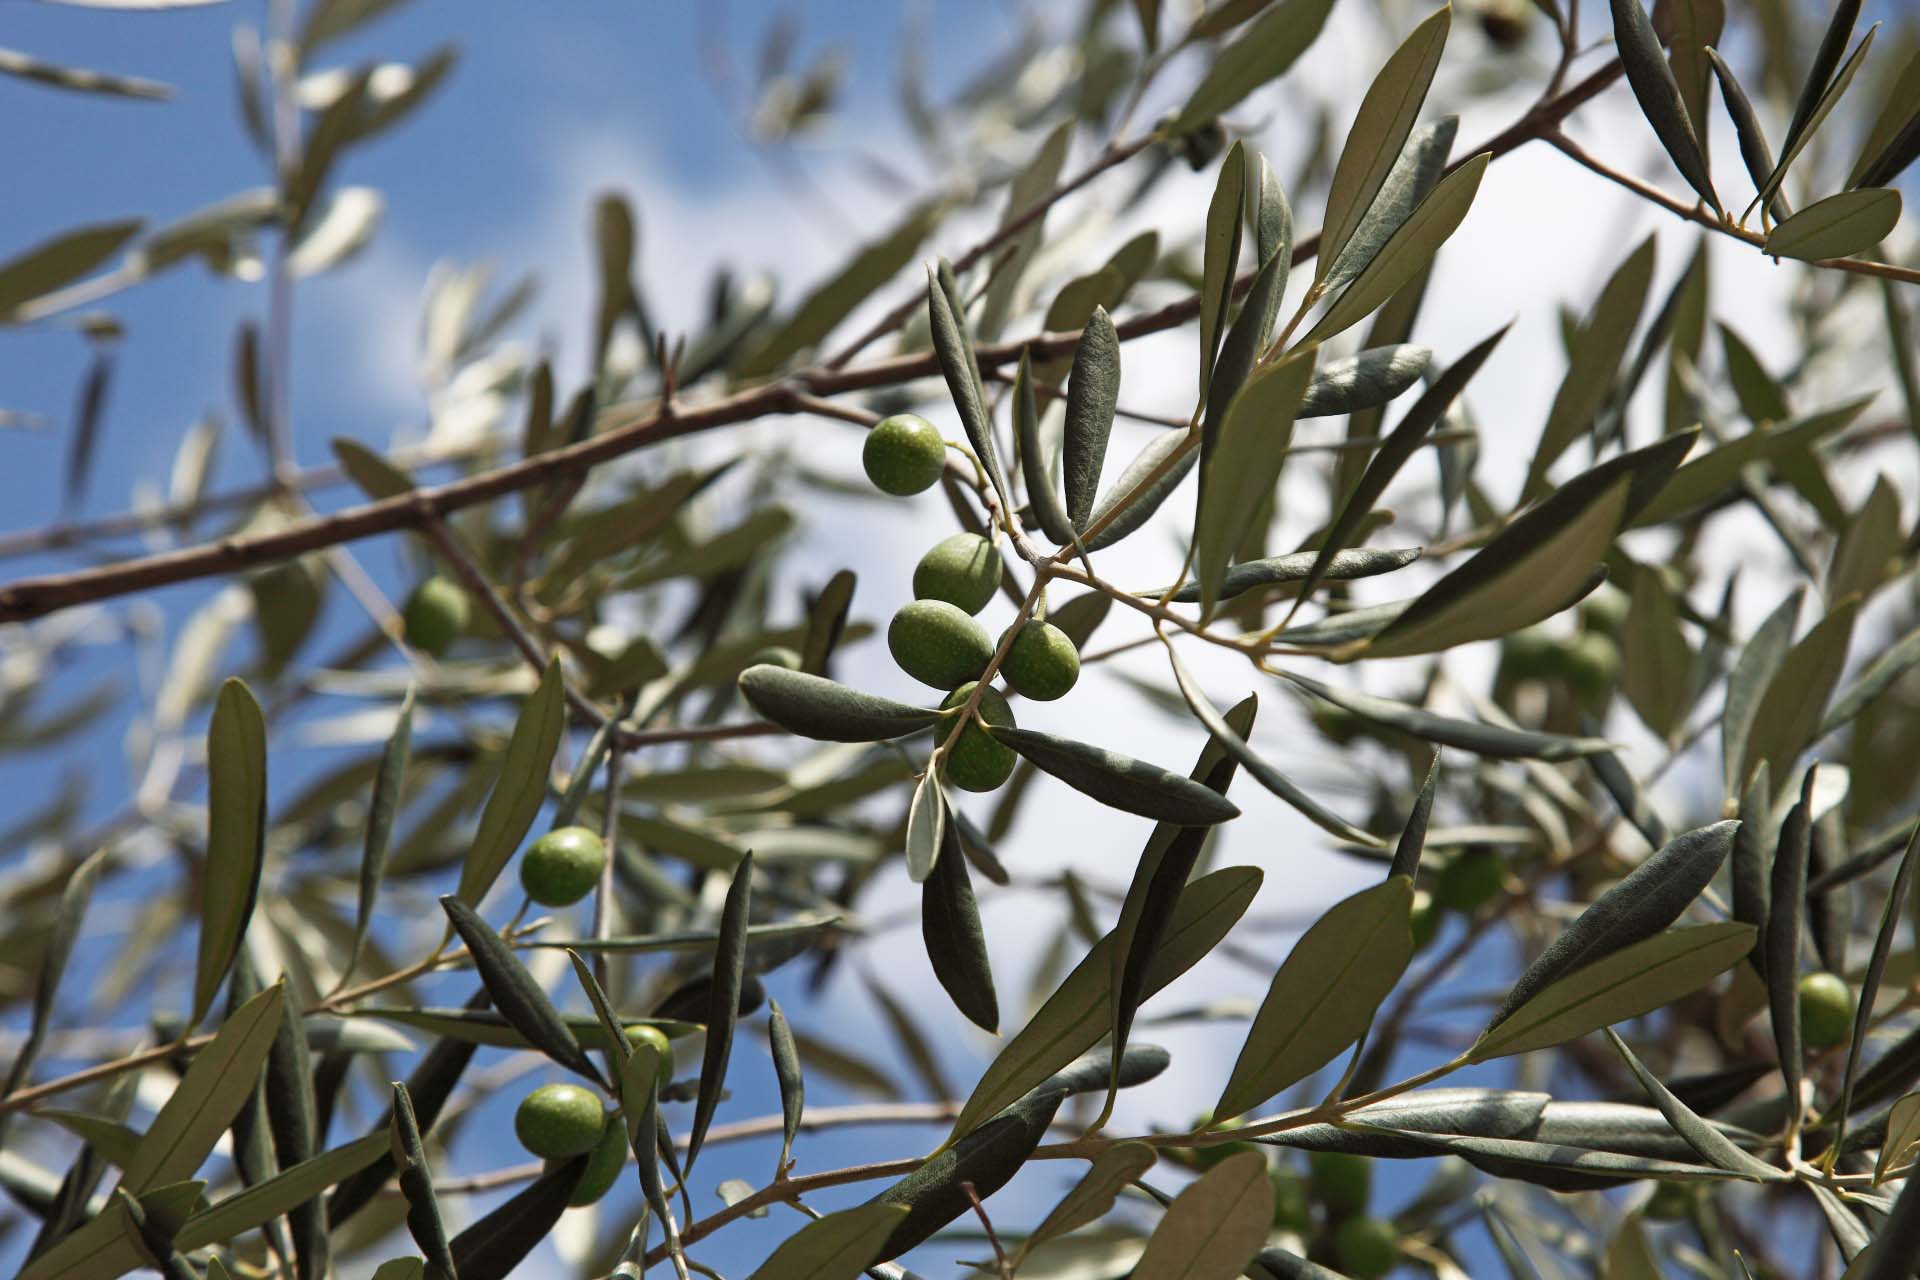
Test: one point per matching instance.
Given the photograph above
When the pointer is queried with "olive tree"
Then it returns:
(1613, 716)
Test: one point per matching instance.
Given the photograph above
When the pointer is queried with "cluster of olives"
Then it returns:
(560, 1122)
(436, 615)
(936, 639)
(1340, 1185)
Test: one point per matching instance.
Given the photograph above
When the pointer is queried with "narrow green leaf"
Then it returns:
(956, 944)
(1039, 457)
(1637, 979)
(1324, 995)
(1249, 336)
(1030, 187)
(264, 1201)
(1113, 1170)
(293, 1117)
(103, 1247)
(380, 814)
(640, 1111)
(1891, 911)
(371, 473)
(1789, 714)
(1407, 252)
(60, 260)
(1797, 140)
(1220, 257)
(61, 936)
(1263, 52)
(1365, 380)
(953, 348)
(723, 1009)
(515, 992)
(1379, 131)
(1344, 566)
(482, 1026)
(1786, 917)
(1421, 165)
(1244, 466)
(1167, 458)
(837, 1247)
(1897, 118)
(493, 1247)
(793, 1085)
(786, 931)
(1536, 565)
(1833, 45)
(415, 1176)
(1880, 675)
(1848, 223)
(521, 789)
(1659, 95)
(815, 707)
(1093, 394)
(1075, 1017)
(1213, 1228)
(1718, 471)
(236, 835)
(1896, 1244)
(1755, 154)
(1393, 454)
(1656, 668)
(1711, 1145)
(1159, 876)
(1494, 741)
(1647, 900)
(1118, 781)
(209, 1095)
(1595, 363)
(1267, 776)
(926, 826)
(1903, 1134)
(1693, 26)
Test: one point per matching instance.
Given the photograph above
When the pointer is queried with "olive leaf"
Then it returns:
(1890, 912)
(1719, 470)
(1659, 95)
(1379, 131)
(521, 788)
(1324, 996)
(926, 826)
(65, 931)
(381, 809)
(1790, 713)
(1797, 139)
(1711, 1144)
(1247, 338)
(1344, 566)
(236, 835)
(60, 260)
(956, 944)
(1093, 394)
(1039, 457)
(1657, 665)
(293, 1117)
(1119, 781)
(492, 1247)
(1164, 460)
(417, 1185)
(1755, 154)
(1365, 380)
(838, 1246)
(1078, 1013)
(1407, 251)
(816, 707)
(1595, 361)
(723, 1009)
(1832, 47)
(262, 1202)
(1536, 565)
(1213, 1228)
(202, 1106)
(1651, 897)
(1244, 466)
(1220, 257)
(1494, 741)
(1786, 916)
(953, 348)
(786, 1067)
(515, 992)
(1848, 223)
(1262, 52)
(1029, 188)
(1113, 1170)
(1161, 872)
(1634, 980)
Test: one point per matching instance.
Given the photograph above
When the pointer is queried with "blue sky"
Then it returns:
(542, 113)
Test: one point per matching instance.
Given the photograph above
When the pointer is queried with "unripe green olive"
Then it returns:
(639, 1033)
(1470, 879)
(559, 1121)
(903, 454)
(1670, 1202)
(963, 570)
(1292, 1209)
(563, 866)
(1826, 1010)
(978, 761)
(938, 644)
(1042, 664)
(1340, 1181)
(435, 615)
(1605, 609)
(1591, 665)
(1367, 1248)
(1532, 653)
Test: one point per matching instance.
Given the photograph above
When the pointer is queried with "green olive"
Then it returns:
(978, 761)
(903, 454)
(559, 1121)
(563, 866)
